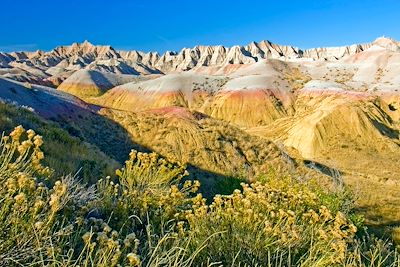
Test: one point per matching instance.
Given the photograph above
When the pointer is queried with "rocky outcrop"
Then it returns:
(105, 58)
(334, 53)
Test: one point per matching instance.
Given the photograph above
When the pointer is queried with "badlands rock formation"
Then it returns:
(210, 147)
(185, 90)
(327, 116)
(249, 86)
(241, 110)
(341, 103)
(54, 66)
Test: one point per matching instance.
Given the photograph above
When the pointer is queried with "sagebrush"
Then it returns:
(151, 215)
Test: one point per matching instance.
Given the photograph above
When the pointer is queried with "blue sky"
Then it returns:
(174, 24)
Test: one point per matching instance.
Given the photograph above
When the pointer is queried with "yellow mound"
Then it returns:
(91, 83)
(245, 101)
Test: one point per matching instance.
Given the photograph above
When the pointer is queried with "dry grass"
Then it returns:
(211, 148)
(64, 153)
(367, 158)
(133, 221)
(206, 143)
(373, 176)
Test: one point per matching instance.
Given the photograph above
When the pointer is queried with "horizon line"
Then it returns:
(121, 48)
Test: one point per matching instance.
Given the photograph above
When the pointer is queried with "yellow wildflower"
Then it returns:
(133, 259)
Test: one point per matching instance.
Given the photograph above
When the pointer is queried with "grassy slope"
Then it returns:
(64, 153)
(147, 218)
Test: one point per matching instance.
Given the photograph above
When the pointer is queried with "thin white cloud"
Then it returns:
(162, 38)
(18, 47)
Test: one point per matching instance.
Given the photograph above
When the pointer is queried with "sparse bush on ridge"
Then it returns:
(150, 216)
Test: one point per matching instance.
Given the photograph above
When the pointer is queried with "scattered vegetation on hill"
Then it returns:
(66, 153)
(152, 216)
(296, 78)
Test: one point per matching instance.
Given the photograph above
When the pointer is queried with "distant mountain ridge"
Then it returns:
(56, 65)
(85, 53)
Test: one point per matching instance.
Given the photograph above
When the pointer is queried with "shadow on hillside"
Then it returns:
(73, 115)
(112, 139)
(385, 130)
(325, 169)
(333, 173)
(213, 183)
(109, 136)
(377, 224)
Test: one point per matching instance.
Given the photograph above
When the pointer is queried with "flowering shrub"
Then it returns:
(24, 210)
(267, 224)
(150, 216)
(149, 171)
(65, 152)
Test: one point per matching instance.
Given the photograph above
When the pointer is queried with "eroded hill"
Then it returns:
(238, 111)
